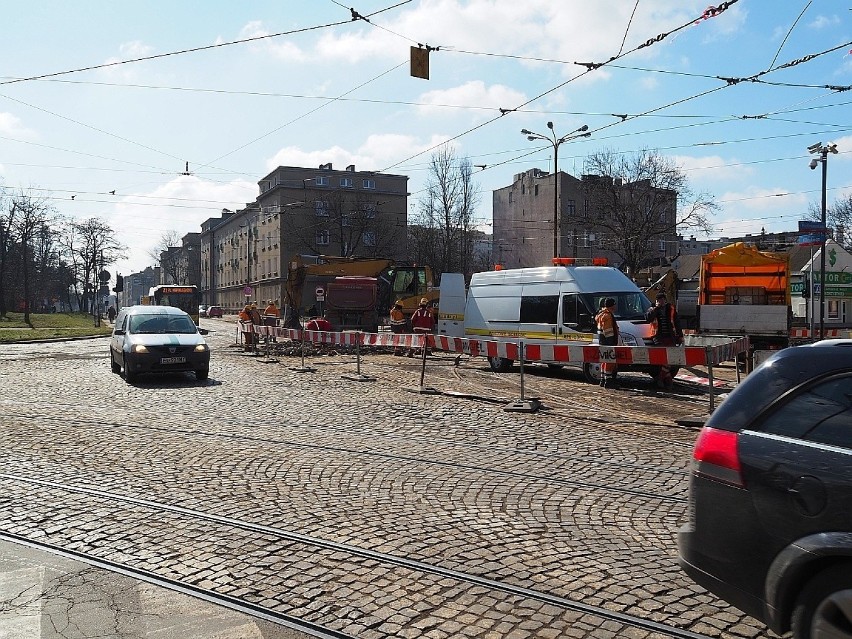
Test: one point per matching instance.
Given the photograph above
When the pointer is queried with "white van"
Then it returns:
(544, 305)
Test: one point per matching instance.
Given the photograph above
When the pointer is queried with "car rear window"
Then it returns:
(790, 368)
(821, 413)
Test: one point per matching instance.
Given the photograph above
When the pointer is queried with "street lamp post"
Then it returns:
(822, 151)
(555, 143)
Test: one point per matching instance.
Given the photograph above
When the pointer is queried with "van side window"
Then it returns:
(539, 309)
(575, 314)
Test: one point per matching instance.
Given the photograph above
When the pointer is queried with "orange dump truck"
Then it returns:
(744, 291)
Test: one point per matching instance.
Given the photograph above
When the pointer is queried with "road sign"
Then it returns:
(247, 291)
(320, 291)
(811, 228)
(104, 276)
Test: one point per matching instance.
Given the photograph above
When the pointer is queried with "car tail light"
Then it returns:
(715, 456)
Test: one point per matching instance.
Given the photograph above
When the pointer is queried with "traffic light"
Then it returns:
(119, 284)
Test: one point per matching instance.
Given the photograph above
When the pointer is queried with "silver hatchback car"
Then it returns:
(157, 339)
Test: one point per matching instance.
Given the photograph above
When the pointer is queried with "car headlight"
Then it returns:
(629, 340)
(200, 348)
(138, 348)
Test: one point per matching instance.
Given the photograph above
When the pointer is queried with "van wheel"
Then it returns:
(500, 364)
(592, 372)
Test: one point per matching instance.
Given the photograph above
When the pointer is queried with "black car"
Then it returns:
(770, 512)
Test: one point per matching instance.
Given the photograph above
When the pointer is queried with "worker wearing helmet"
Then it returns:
(607, 336)
(423, 323)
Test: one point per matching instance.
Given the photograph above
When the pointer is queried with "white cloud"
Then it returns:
(823, 22)
(473, 93)
(566, 31)
(763, 199)
(12, 126)
(377, 152)
(126, 51)
(276, 47)
(712, 167)
(181, 205)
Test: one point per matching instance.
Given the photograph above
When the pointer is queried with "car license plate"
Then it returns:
(173, 360)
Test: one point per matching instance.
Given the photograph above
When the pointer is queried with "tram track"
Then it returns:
(426, 569)
(411, 459)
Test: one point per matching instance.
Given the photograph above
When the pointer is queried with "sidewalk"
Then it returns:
(46, 596)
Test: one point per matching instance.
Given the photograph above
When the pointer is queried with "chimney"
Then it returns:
(351, 168)
(325, 167)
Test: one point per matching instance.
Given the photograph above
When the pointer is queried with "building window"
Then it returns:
(511, 199)
(321, 180)
(369, 238)
(346, 183)
(523, 188)
(662, 246)
(570, 207)
(369, 210)
(535, 190)
(323, 238)
(833, 309)
(345, 220)
(368, 184)
(321, 208)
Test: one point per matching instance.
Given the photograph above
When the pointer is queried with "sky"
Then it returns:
(103, 103)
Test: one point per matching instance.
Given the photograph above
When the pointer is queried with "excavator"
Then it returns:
(667, 284)
(407, 284)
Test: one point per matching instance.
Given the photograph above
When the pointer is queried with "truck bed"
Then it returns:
(743, 319)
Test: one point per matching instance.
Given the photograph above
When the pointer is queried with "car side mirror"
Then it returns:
(118, 331)
(203, 331)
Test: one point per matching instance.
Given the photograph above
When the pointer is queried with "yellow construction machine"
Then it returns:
(407, 284)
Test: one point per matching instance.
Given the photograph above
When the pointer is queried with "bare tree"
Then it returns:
(838, 217)
(8, 240)
(31, 215)
(354, 223)
(169, 259)
(443, 230)
(639, 199)
(97, 247)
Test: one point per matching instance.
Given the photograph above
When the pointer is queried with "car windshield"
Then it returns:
(162, 324)
(628, 306)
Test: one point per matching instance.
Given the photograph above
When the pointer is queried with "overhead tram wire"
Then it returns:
(175, 53)
(304, 115)
(589, 68)
(789, 31)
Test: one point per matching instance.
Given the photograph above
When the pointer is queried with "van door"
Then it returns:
(578, 321)
(539, 313)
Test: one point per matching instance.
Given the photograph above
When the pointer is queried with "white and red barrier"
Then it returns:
(830, 333)
(553, 353)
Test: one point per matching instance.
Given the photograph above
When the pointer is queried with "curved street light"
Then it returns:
(556, 142)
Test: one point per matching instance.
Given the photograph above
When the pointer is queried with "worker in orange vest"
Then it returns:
(607, 336)
(397, 324)
(667, 332)
(423, 323)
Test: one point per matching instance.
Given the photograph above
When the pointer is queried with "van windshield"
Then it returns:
(628, 306)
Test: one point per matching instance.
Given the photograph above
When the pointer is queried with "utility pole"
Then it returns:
(822, 151)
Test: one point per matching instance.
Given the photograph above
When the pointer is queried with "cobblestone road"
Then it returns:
(228, 484)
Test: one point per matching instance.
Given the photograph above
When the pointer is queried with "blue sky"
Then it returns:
(343, 94)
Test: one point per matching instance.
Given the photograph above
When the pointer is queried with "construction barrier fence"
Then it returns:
(695, 355)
